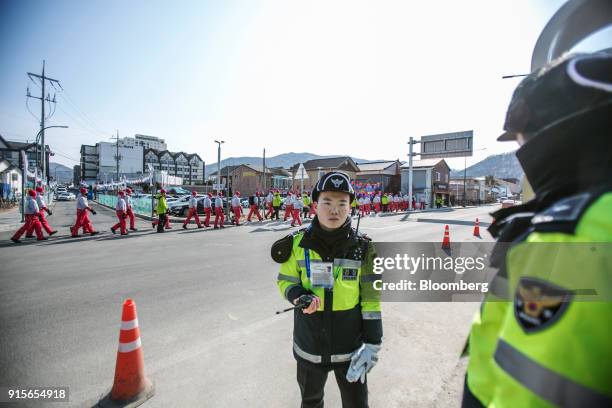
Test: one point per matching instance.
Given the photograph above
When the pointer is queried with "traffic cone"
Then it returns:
(477, 229)
(130, 385)
(446, 240)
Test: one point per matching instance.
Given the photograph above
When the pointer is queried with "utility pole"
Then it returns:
(117, 157)
(264, 170)
(43, 99)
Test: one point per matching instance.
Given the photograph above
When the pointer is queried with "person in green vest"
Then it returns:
(306, 201)
(276, 204)
(385, 202)
(537, 340)
(161, 209)
(354, 205)
(327, 272)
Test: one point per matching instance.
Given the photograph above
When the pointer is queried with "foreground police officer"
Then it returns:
(328, 266)
(547, 346)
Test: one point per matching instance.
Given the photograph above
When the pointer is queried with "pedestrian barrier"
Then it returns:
(446, 240)
(130, 384)
(141, 206)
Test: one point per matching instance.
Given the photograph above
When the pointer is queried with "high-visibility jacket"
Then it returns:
(350, 312)
(354, 203)
(162, 205)
(550, 345)
(385, 200)
(306, 200)
(277, 200)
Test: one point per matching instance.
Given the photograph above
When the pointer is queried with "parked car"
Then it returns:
(65, 197)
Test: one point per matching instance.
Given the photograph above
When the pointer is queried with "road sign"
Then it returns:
(454, 144)
(300, 173)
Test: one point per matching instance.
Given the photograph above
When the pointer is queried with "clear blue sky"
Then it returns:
(327, 77)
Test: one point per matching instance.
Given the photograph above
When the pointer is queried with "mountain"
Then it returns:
(60, 172)
(285, 160)
(501, 166)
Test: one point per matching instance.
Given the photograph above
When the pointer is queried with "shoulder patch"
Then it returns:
(567, 210)
(281, 249)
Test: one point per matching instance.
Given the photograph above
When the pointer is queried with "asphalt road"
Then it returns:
(206, 301)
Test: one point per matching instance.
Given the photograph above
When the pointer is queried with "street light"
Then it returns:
(44, 166)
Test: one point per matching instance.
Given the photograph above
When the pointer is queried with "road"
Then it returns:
(206, 301)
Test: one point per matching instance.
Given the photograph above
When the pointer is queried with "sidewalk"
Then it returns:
(10, 219)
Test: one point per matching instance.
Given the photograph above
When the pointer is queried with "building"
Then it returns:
(190, 167)
(384, 173)
(430, 180)
(317, 167)
(482, 189)
(88, 165)
(146, 142)
(11, 166)
(249, 178)
(11, 152)
(76, 175)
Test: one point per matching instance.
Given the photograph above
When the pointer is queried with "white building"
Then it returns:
(147, 142)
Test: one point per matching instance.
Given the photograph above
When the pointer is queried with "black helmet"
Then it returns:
(567, 88)
(333, 181)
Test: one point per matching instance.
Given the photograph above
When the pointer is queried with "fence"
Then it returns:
(139, 205)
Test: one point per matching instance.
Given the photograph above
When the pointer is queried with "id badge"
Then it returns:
(322, 275)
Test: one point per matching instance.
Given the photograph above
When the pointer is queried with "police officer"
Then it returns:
(547, 346)
(277, 202)
(328, 268)
(162, 211)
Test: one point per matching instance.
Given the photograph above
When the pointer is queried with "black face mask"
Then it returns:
(328, 242)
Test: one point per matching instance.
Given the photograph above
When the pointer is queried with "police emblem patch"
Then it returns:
(539, 304)
(349, 274)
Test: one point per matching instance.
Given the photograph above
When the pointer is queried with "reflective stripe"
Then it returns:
(347, 263)
(306, 356)
(371, 278)
(132, 324)
(293, 279)
(547, 384)
(371, 315)
(334, 358)
(288, 288)
(340, 358)
(127, 347)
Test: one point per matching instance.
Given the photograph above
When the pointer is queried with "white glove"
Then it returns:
(362, 362)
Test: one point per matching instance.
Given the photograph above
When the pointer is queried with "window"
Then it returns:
(437, 176)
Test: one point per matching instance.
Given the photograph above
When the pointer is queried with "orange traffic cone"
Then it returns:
(446, 240)
(477, 229)
(130, 385)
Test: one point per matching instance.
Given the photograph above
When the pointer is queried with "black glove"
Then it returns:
(304, 301)
(124, 216)
(49, 212)
(93, 211)
(40, 218)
